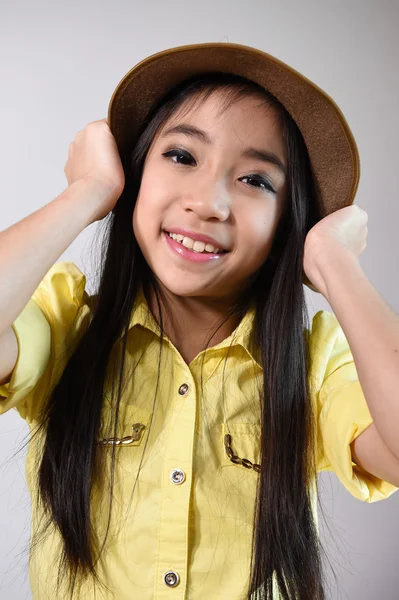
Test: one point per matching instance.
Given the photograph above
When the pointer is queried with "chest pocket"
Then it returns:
(128, 446)
(132, 428)
(244, 444)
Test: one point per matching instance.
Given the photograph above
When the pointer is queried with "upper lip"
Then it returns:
(200, 237)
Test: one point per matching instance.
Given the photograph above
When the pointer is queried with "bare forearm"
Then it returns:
(372, 330)
(30, 247)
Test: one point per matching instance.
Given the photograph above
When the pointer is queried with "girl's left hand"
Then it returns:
(343, 231)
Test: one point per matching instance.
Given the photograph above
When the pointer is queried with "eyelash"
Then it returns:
(257, 178)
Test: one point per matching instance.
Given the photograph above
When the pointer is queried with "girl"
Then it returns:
(179, 417)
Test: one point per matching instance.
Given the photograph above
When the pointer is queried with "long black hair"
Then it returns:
(286, 549)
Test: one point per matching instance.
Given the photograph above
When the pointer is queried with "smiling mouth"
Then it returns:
(204, 251)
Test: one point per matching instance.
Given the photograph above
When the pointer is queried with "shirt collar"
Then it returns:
(242, 335)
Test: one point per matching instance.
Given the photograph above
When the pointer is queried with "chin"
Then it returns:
(183, 287)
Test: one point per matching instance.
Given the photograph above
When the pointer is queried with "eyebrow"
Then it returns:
(249, 152)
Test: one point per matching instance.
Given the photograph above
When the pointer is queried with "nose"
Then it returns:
(209, 201)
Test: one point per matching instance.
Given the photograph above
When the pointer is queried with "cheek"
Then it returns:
(156, 192)
(157, 182)
(144, 218)
(257, 229)
(148, 208)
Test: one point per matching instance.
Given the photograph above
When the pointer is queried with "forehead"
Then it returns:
(247, 119)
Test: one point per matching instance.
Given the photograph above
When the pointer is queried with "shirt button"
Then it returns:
(171, 578)
(183, 389)
(177, 476)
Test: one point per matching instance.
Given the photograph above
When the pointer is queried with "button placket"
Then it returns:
(175, 503)
(178, 476)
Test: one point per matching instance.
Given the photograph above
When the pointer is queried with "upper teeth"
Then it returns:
(193, 244)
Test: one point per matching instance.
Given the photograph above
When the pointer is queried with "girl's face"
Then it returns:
(222, 181)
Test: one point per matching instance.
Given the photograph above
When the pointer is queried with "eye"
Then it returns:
(181, 155)
(176, 153)
(261, 181)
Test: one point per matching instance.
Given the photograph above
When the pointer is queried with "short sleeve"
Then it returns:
(46, 329)
(342, 410)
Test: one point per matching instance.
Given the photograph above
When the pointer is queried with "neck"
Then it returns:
(189, 322)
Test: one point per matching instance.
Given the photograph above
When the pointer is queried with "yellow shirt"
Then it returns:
(192, 508)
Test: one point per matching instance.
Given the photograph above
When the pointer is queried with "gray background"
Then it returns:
(60, 64)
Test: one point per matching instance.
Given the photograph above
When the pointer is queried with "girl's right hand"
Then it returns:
(94, 156)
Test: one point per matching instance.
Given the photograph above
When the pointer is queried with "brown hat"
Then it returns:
(331, 146)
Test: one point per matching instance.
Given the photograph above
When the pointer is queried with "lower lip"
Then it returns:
(198, 257)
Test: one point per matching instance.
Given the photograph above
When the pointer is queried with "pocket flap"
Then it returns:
(245, 442)
(133, 423)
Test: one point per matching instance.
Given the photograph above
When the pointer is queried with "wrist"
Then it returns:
(89, 196)
(335, 267)
(326, 263)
